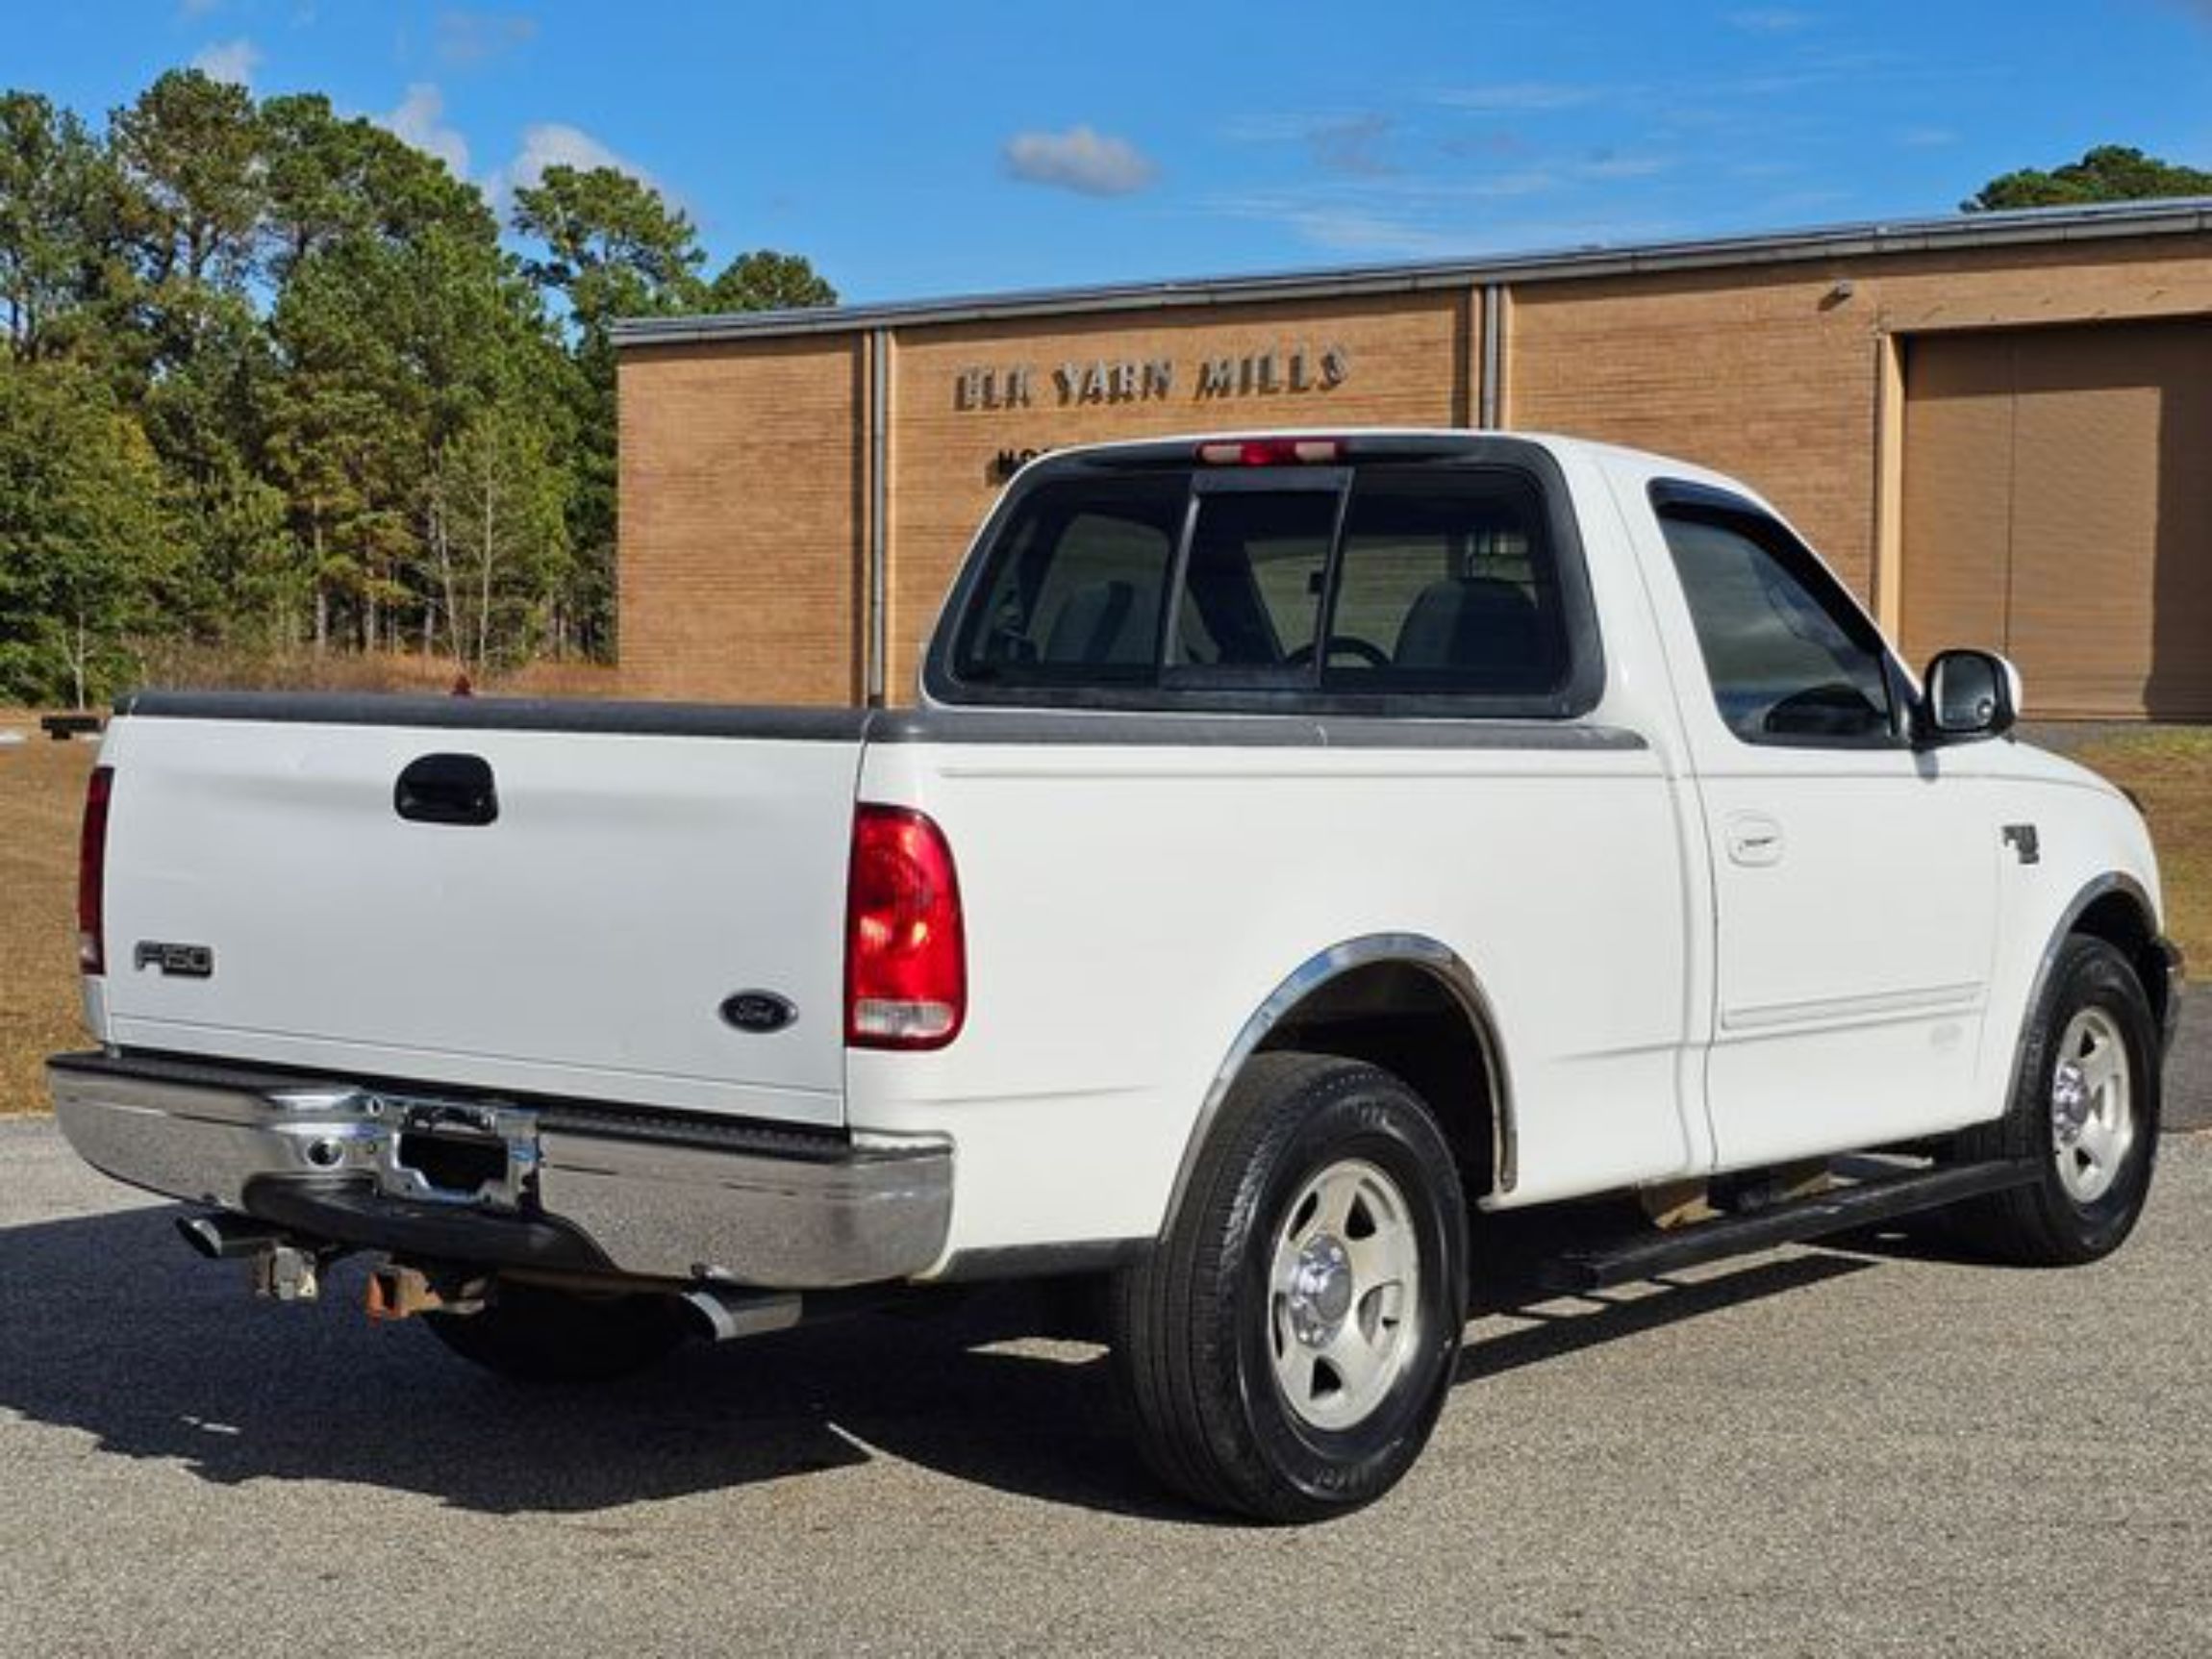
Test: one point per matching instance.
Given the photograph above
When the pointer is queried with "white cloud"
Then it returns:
(232, 61)
(1354, 230)
(1083, 160)
(557, 144)
(1518, 97)
(466, 37)
(1430, 223)
(1617, 164)
(1771, 20)
(420, 121)
(1352, 141)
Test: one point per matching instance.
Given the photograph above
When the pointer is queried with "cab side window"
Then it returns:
(1791, 659)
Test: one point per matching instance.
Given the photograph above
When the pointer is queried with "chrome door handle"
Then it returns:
(1754, 839)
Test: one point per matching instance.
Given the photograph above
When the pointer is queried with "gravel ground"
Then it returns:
(2188, 1102)
(1810, 1451)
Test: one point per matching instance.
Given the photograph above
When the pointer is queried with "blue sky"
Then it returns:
(912, 150)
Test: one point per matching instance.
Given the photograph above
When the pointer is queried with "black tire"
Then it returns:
(2046, 1224)
(1197, 1326)
(533, 1334)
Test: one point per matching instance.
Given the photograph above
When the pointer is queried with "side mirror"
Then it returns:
(1969, 695)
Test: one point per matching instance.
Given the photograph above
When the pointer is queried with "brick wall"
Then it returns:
(1765, 374)
(742, 520)
(743, 468)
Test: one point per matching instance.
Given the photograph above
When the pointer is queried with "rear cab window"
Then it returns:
(1078, 589)
(1455, 586)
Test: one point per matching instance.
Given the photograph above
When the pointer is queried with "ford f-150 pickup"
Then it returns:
(1305, 847)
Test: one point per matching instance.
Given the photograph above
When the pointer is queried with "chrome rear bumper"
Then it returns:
(484, 1180)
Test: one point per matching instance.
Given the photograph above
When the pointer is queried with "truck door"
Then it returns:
(1854, 878)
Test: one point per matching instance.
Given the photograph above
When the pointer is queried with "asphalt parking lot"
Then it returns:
(1816, 1450)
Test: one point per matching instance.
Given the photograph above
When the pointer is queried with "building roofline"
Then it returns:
(2102, 222)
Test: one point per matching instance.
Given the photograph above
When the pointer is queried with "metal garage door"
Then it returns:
(2058, 506)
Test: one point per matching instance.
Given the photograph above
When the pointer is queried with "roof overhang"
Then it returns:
(2107, 222)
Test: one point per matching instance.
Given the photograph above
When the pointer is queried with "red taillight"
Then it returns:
(1270, 451)
(92, 873)
(905, 956)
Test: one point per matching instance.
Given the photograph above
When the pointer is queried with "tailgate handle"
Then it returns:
(446, 789)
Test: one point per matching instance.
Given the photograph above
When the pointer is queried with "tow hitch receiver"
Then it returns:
(278, 1265)
(288, 1274)
(400, 1292)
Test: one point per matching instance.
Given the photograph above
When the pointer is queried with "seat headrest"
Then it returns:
(1092, 627)
(1477, 623)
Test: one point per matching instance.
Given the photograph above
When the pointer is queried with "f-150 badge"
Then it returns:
(175, 961)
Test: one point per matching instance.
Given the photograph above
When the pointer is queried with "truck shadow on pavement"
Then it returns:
(109, 1326)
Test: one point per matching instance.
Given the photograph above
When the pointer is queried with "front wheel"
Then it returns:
(2084, 1111)
(1286, 1348)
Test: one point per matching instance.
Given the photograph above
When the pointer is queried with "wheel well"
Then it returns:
(1402, 1018)
(2117, 920)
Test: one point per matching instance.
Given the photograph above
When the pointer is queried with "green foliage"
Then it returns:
(2107, 174)
(191, 147)
(83, 553)
(330, 179)
(765, 280)
(613, 246)
(271, 377)
(499, 537)
(58, 197)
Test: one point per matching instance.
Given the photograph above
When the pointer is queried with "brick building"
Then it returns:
(1999, 428)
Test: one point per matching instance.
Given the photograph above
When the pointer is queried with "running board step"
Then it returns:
(1838, 1210)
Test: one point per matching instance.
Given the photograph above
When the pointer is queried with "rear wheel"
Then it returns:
(2085, 1111)
(533, 1334)
(1286, 1349)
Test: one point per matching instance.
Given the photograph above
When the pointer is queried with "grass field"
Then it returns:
(42, 784)
(42, 793)
(2169, 770)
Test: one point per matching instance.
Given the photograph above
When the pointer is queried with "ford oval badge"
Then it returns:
(759, 1011)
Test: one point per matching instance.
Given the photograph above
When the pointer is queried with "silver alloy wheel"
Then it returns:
(2092, 1105)
(1344, 1309)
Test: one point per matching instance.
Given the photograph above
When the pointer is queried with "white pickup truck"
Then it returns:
(1305, 845)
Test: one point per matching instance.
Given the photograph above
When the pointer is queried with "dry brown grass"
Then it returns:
(42, 793)
(2169, 770)
(560, 680)
(205, 668)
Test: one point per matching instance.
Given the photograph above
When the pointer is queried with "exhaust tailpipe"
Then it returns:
(223, 1237)
(731, 1314)
(279, 1265)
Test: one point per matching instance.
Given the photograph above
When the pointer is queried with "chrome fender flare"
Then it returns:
(2099, 886)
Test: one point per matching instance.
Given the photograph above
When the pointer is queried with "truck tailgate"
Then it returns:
(582, 944)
